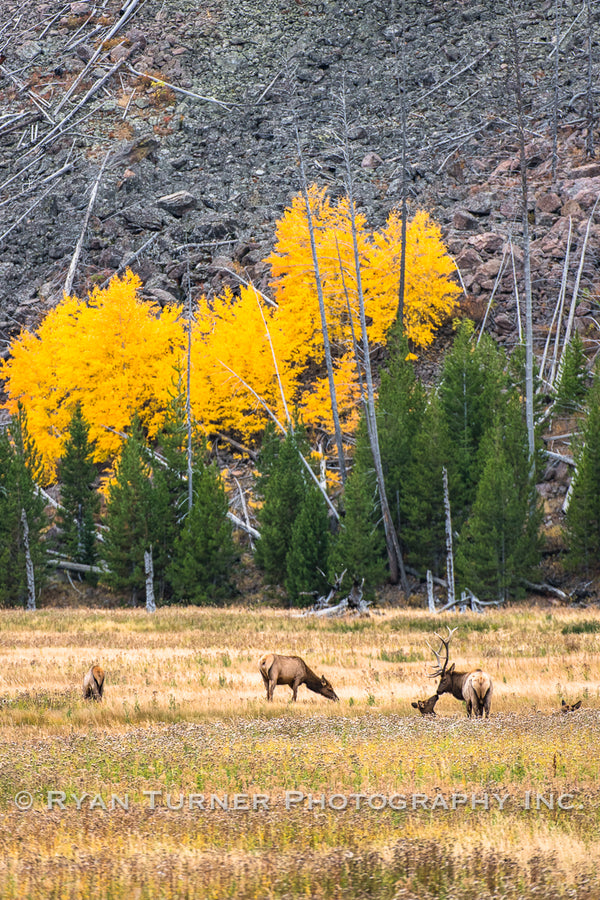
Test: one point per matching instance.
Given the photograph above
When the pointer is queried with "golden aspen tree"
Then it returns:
(114, 354)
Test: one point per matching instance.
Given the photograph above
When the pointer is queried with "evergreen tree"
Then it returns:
(572, 387)
(135, 508)
(583, 514)
(359, 546)
(499, 544)
(423, 524)
(80, 502)
(470, 391)
(21, 514)
(400, 409)
(307, 555)
(285, 489)
(204, 551)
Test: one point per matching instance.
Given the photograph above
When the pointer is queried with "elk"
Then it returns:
(293, 671)
(426, 707)
(93, 683)
(474, 687)
(570, 707)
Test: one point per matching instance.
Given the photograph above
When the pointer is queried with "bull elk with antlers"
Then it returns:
(474, 687)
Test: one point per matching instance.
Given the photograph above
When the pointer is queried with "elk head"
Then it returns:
(326, 689)
(441, 670)
(570, 707)
(426, 707)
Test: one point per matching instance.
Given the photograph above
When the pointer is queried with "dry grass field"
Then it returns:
(380, 802)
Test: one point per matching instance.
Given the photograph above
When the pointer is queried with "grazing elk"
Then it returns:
(474, 687)
(570, 707)
(93, 683)
(426, 707)
(293, 671)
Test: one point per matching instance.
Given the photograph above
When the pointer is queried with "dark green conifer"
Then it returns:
(204, 551)
(573, 384)
(131, 516)
(583, 514)
(285, 488)
(306, 558)
(423, 517)
(359, 545)
(19, 502)
(79, 500)
(499, 545)
(470, 390)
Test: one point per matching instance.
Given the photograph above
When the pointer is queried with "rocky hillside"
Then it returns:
(180, 116)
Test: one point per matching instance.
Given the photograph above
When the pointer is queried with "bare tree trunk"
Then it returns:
(430, 597)
(449, 547)
(396, 563)
(589, 141)
(28, 563)
(526, 247)
(324, 329)
(149, 569)
(555, 101)
(188, 396)
(401, 87)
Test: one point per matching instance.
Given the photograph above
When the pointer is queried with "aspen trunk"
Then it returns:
(28, 563)
(149, 569)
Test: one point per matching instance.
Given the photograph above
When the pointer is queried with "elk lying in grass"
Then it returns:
(474, 687)
(570, 707)
(293, 671)
(426, 707)
(93, 683)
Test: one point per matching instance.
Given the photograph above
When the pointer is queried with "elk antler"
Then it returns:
(440, 669)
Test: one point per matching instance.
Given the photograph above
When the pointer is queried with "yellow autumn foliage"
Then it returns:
(118, 355)
(114, 353)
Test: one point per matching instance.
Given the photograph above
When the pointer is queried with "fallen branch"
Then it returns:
(180, 90)
(71, 273)
(544, 588)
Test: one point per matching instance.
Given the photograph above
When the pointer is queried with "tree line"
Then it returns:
(470, 423)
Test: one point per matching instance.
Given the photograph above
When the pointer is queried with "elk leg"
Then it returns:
(270, 689)
(295, 685)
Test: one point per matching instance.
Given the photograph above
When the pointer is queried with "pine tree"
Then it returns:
(21, 514)
(499, 544)
(204, 551)
(470, 391)
(307, 555)
(284, 492)
(423, 524)
(133, 510)
(400, 409)
(572, 387)
(583, 514)
(359, 546)
(80, 502)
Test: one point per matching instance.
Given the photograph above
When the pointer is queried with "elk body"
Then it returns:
(474, 687)
(293, 671)
(93, 683)
(426, 707)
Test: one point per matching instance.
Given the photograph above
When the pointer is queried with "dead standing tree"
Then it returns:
(394, 553)
(516, 53)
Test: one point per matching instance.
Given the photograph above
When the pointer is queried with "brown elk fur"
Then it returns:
(425, 707)
(475, 688)
(93, 683)
(570, 707)
(293, 671)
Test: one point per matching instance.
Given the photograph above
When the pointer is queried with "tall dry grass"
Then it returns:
(185, 714)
